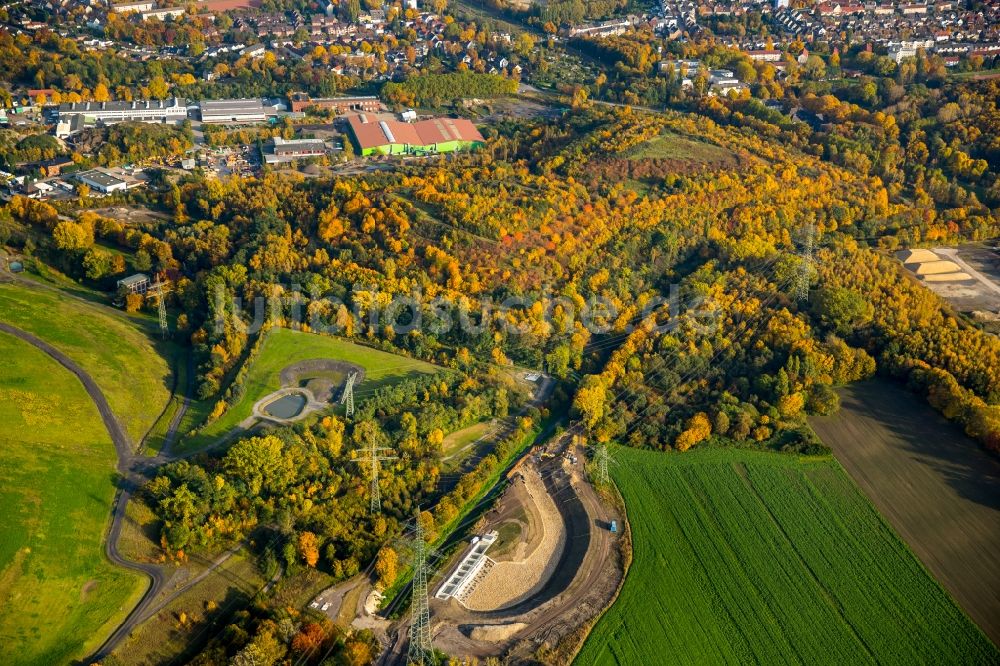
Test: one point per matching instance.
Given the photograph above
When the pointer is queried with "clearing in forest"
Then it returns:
(672, 146)
(754, 557)
(284, 347)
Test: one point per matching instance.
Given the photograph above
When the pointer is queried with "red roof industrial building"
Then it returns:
(390, 137)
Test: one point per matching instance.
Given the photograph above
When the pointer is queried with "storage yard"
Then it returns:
(967, 277)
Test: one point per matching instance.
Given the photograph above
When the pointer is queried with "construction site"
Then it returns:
(542, 555)
(537, 570)
(541, 566)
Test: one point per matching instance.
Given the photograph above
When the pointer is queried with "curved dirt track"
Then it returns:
(130, 481)
(122, 445)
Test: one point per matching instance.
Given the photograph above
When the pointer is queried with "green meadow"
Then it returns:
(129, 365)
(59, 594)
(284, 347)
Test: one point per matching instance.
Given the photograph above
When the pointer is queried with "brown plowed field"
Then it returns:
(937, 487)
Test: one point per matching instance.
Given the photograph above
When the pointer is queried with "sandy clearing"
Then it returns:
(511, 582)
(947, 277)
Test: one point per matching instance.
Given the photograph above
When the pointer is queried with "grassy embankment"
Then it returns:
(131, 367)
(59, 594)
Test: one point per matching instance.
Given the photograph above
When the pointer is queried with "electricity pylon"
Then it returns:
(161, 308)
(420, 650)
(601, 459)
(805, 269)
(374, 455)
(348, 397)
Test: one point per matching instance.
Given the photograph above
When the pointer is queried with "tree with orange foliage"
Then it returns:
(309, 548)
(309, 638)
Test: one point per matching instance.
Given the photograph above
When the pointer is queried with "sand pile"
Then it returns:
(916, 256)
(496, 632)
(947, 277)
(934, 267)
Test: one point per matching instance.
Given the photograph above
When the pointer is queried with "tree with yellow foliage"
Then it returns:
(699, 428)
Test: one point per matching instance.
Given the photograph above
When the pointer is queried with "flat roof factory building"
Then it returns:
(392, 137)
(102, 181)
(300, 101)
(286, 150)
(146, 111)
(233, 111)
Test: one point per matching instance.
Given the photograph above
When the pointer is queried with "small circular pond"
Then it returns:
(286, 407)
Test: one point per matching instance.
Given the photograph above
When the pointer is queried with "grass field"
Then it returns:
(753, 557)
(933, 484)
(982, 74)
(132, 369)
(676, 147)
(57, 591)
(284, 347)
(454, 442)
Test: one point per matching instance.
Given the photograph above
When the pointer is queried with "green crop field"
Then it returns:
(131, 368)
(753, 557)
(283, 347)
(58, 593)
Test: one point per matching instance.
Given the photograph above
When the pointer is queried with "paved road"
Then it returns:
(123, 447)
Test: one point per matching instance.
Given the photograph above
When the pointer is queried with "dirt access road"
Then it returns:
(935, 486)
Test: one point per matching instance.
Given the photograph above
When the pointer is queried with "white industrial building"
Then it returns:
(470, 570)
(233, 111)
(173, 110)
(135, 284)
(102, 181)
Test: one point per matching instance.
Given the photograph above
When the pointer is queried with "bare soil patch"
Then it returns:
(87, 588)
(322, 376)
(496, 632)
(935, 486)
